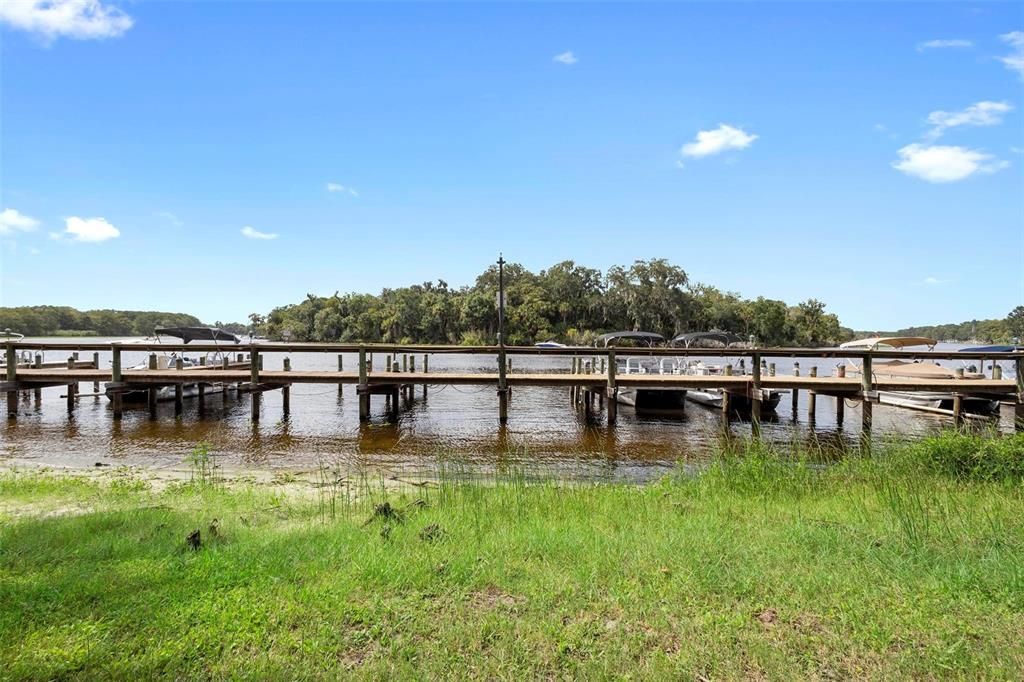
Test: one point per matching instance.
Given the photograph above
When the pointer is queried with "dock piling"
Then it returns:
(286, 390)
(12, 378)
(755, 389)
(865, 404)
(812, 398)
(425, 357)
(117, 379)
(151, 393)
(179, 388)
(254, 381)
(72, 387)
(612, 391)
(363, 388)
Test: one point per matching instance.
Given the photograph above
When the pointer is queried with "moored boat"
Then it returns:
(917, 369)
(213, 357)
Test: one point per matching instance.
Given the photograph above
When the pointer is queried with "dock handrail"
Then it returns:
(302, 347)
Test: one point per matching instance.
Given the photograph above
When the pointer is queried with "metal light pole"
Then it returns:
(501, 300)
(502, 365)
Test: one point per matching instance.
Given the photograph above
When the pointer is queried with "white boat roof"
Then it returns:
(875, 342)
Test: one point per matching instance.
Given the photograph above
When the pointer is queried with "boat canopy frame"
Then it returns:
(717, 337)
(897, 342)
(649, 339)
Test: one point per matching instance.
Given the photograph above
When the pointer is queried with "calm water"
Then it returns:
(453, 423)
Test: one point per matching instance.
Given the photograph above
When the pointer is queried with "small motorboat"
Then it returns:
(654, 398)
(934, 401)
(549, 344)
(713, 397)
(167, 361)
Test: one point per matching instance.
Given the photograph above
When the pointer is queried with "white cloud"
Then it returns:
(33, 251)
(723, 138)
(980, 114)
(335, 188)
(1015, 60)
(940, 44)
(51, 19)
(567, 58)
(938, 163)
(249, 232)
(89, 229)
(932, 281)
(12, 221)
(170, 217)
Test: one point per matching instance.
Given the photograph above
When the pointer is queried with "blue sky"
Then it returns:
(870, 155)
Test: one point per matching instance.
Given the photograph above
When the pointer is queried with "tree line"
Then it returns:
(989, 331)
(567, 302)
(48, 320)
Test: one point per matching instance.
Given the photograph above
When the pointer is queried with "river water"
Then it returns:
(454, 425)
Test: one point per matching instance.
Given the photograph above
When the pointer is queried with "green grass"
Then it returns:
(908, 563)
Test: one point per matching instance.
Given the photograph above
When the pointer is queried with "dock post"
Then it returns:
(72, 387)
(202, 387)
(771, 369)
(796, 392)
(12, 378)
(755, 394)
(179, 387)
(958, 410)
(38, 392)
(286, 390)
(613, 391)
(341, 368)
(840, 399)
(812, 398)
(410, 389)
(151, 392)
(425, 356)
(725, 394)
(502, 386)
(96, 384)
(116, 379)
(865, 405)
(363, 388)
(572, 387)
(254, 381)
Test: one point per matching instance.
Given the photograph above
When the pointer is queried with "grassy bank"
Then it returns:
(906, 563)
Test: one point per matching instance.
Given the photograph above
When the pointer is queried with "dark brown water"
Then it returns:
(452, 423)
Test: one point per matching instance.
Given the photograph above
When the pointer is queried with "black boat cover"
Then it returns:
(712, 339)
(188, 334)
(647, 338)
(991, 349)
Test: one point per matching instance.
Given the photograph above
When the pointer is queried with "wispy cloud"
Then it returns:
(52, 19)
(567, 58)
(251, 233)
(12, 221)
(721, 139)
(944, 44)
(1015, 60)
(933, 281)
(334, 187)
(980, 114)
(942, 164)
(87, 230)
(170, 217)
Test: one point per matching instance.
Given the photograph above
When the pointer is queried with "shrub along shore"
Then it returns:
(908, 562)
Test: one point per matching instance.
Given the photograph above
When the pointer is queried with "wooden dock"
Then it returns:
(244, 372)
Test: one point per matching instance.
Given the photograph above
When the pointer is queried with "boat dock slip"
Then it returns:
(591, 375)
